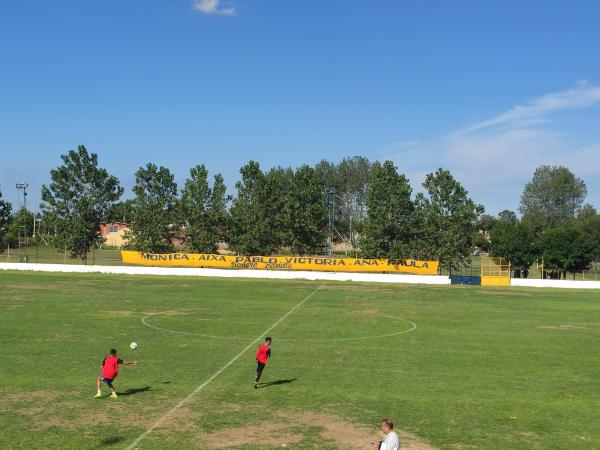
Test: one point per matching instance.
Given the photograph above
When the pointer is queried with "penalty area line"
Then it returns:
(191, 395)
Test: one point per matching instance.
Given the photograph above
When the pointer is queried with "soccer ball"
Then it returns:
(133, 345)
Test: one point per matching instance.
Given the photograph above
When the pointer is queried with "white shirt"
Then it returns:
(391, 442)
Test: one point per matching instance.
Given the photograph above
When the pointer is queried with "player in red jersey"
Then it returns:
(110, 370)
(262, 356)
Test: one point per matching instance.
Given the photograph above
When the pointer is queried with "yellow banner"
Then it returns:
(318, 263)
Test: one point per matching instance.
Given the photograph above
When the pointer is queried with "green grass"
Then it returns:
(486, 368)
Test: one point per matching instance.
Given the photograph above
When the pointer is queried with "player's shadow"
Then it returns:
(276, 383)
(111, 440)
(133, 391)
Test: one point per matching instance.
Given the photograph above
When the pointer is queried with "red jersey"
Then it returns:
(110, 366)
(263, 353)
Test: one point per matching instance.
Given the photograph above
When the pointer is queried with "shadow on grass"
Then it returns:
(111, 440)
(133, 391)
(276, 383)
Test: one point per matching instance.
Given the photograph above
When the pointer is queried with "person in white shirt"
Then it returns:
(391, 441)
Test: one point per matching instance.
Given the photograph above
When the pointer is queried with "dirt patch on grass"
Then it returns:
(119, 313)
(285, 430)
(26, 286)
(348, 435)
(562, 326)
(270, 434)
(500, 293)
(32, 396)
(350, 288)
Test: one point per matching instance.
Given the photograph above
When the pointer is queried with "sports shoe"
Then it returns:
(256, 385)
(98, 395)
(114, 395)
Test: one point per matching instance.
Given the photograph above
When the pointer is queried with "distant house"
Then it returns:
(113, 233)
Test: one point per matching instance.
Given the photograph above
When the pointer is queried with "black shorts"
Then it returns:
(106, 380)
(260, 367)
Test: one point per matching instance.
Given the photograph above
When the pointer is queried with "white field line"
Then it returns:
(239, 338)
(145, 434)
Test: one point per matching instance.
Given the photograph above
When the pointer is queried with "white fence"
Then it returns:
(198, 272)
(564, 284)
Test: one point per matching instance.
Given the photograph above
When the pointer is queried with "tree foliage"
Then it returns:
(77, 200)
(305, 212)
(203, 210)
(252, 214)
(5, 215)
(589, 225)
(567, 248)
(350, 178)
(552, 198)
(447, 220)
(389, 227)
(154, 211)
(515, 241)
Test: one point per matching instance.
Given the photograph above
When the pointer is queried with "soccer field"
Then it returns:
(455, 367)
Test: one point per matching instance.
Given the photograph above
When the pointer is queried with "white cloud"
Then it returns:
(495, 158)
(213, 7)
(583, 95)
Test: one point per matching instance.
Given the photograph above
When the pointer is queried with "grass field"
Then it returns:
(484, 368)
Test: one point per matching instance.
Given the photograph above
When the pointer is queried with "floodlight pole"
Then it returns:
(22, 187)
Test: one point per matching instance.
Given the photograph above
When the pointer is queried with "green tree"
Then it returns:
(567, 248)
(5, 216)
(514, 241)
(154, 223)
(305, 212)
(389, 227)
(21, 224)
(203, 210)
(278, 182)
(589, 224)
(77, 200)
(350, 179)
(120, 212)
(251, 226)
(552, 198)
(507, 216)
(447, 220)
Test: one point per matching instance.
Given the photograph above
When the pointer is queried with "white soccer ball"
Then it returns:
(133, 345)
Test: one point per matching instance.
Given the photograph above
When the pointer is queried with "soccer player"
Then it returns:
(110, 370)
(262, 356)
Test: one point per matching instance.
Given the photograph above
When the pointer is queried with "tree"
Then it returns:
(21, 224)
(552, 198)
(5, 210)
(350, 179)
(567, 248)
(203, 210)
(507, 216)
(77, 200)
(389, 227)
(278, 183)
(514, 241)
(447, 220)
(121, 212)
(590, 226)
(305, 212)
(153, 215)
(251, 230)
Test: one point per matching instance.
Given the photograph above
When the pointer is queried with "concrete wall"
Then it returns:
(564, 284)
(199, 272)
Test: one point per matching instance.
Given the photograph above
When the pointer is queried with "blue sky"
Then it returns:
(487, 89)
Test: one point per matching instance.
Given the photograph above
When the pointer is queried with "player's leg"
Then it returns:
(98, 385)
(112, 389)
(259, 370)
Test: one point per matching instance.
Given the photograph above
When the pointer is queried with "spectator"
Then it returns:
(391, 440)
